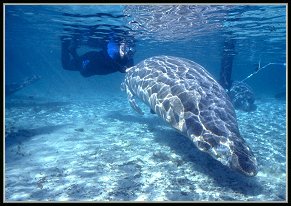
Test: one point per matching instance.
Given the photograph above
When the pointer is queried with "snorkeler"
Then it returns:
(240, 93)
(114, 57)
(226, 63)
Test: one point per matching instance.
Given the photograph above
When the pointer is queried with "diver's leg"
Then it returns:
(69, 56)
(226, 63)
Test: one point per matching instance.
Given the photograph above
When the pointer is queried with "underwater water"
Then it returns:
(70, 138)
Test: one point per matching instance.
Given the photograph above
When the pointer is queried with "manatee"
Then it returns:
(189, 99)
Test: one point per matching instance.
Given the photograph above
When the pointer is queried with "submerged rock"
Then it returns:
(242, 97)
(80, 130)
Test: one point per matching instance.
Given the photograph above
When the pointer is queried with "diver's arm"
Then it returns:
(126, 63)
(130, 63)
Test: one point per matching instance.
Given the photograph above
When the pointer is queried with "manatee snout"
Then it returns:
(243, 160)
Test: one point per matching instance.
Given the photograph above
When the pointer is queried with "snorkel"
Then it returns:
(126, 51)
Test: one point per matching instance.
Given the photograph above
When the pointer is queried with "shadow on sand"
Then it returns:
(202, 162)
(15, 136)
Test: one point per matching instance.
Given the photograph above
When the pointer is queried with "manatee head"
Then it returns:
(243, 160)
(232, 152)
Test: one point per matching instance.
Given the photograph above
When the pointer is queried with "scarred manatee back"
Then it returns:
(186, 96)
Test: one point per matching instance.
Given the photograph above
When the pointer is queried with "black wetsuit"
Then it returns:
(226, 63)
(94, 62)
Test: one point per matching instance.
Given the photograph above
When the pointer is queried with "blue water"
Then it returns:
(70, 138)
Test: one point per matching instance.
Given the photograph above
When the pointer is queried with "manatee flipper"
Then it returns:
(132, 101)
(122, 86)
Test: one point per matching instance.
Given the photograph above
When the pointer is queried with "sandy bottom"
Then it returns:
(102, 150)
